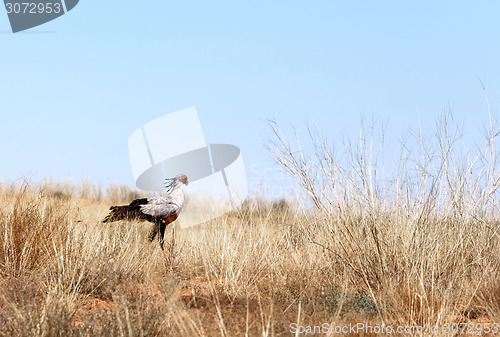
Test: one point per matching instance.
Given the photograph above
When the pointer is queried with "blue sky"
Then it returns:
(74, 89)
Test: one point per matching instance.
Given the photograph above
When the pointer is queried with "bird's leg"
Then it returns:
(172, 240)
(161, 239)
(165, 254)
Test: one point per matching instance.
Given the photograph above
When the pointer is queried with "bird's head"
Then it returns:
(182, 178)
(176, 181)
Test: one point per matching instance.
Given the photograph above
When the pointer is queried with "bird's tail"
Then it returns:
(117, 213)
(126, 212)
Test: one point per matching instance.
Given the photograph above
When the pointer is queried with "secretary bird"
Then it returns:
(161, 211)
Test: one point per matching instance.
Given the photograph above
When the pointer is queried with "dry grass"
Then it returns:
(395, 256)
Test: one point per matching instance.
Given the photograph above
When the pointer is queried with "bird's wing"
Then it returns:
(138, 202)
(160, 207)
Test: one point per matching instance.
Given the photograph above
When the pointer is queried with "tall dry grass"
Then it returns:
(422, 242)
(418, 248)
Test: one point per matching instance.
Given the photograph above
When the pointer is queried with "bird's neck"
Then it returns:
(177, 192)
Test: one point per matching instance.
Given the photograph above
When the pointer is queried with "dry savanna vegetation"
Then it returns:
(420, 247)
